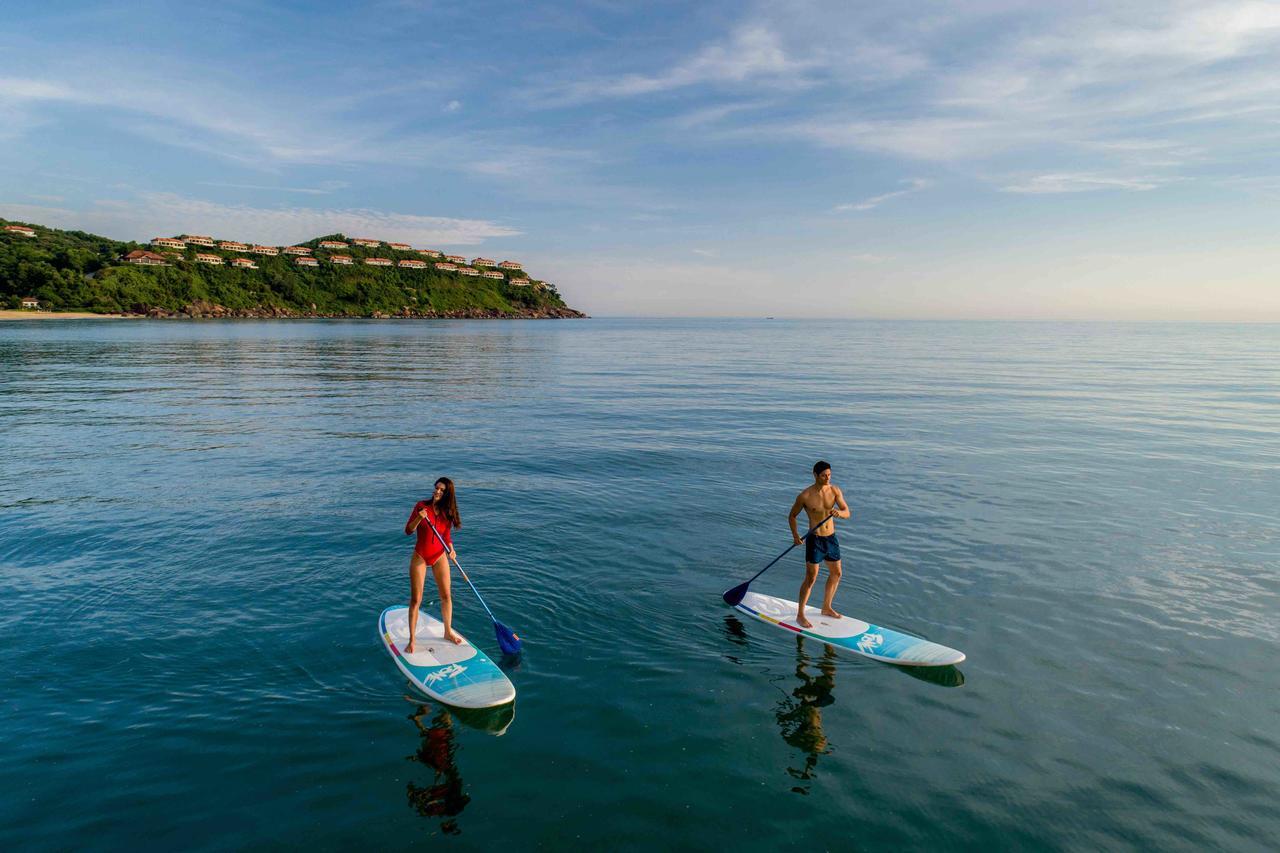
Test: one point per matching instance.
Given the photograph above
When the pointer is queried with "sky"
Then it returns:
(987, 159)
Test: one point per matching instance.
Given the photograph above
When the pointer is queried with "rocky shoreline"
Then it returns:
(213, 311)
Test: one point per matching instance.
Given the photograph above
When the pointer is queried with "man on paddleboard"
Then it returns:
(823, 503)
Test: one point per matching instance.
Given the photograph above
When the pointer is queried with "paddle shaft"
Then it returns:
(788, 551)
(447, 549)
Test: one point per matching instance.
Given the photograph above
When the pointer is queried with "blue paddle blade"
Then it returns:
(507, 639)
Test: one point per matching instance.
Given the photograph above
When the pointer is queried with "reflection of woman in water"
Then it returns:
(800, 715)
(444, 797)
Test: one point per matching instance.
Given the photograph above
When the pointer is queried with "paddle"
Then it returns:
(507, 639)
(734, 596)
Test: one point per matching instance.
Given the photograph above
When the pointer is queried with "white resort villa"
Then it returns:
(365, 241)
(378, 262)
(306, 261)
(198, 240)
(244, 263)
(345, 260)
(413, 264)
(333, 244)
(216, 260)
(144, 258)
(511, 265)
(446, 266)
(400, 247)
(296, 250)
(168, 243)
(20, 230)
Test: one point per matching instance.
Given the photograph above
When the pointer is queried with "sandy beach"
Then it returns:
(10, 314)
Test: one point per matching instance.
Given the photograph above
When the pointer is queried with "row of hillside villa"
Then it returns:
(142, 257)
(365, 242)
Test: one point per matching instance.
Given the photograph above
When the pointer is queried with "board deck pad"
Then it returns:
(882, 644)
(455, 674)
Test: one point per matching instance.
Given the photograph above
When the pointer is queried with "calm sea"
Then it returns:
(200, 523)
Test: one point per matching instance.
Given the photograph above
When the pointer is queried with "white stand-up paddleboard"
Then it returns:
(880, 644)
(455, 674)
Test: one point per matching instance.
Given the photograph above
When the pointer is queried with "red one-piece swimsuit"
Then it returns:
(428, 546)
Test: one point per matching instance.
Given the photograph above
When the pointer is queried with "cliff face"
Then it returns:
(75, 271)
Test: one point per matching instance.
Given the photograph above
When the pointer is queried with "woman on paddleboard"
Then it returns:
(440, 514)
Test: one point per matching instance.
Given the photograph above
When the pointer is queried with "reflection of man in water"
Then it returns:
(444, 797)
(800, 715)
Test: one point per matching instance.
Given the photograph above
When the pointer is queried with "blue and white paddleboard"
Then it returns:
(455, 674)
(877, 643)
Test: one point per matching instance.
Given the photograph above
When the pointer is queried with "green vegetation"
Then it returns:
(75, 271)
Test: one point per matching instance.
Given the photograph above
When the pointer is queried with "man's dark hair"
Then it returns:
(820, 466)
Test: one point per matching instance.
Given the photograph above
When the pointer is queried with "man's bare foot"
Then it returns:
(803, 622)
(452, 637)
(828, 611)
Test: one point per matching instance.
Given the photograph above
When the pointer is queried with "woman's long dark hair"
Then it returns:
(448, 503)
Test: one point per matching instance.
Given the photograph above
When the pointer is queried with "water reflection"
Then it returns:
(943, 676)
(800, 714)
(445, 797)
(437, 749)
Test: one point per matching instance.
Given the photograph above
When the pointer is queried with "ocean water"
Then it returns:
(200, 523)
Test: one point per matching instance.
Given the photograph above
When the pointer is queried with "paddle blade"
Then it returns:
(733, 597)
(507, 639)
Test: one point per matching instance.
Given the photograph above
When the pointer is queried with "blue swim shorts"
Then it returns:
(818, 549)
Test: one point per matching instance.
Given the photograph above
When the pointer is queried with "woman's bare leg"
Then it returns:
(417, 574)
(440, 569)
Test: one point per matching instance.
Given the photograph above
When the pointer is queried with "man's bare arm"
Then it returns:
(791, 519)
(840, 509)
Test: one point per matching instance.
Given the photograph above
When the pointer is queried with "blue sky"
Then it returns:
(984, 159)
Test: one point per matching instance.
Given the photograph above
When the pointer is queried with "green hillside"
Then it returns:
(76, 271)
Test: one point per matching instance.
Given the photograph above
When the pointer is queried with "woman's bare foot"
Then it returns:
(452, 637)
(827, 611)
(803, 622)
(410, 649)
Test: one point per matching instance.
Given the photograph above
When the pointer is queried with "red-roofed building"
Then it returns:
(447, 267)
(296, 250)
(144, 258)
(233, 246)
(365, 241)
(469, 271)
(20, 230)
(413, 264)
(429, 253)
(378, 262)
(400, 247)
(345, 260)
(306, 261)
(457, 259)
(198, 239)
(265, 250)
(332, 244)
(168, 243)
(31, 303)
(244, 263)
(492, 274)
(519, 282)
(511, 265)
(216, 260)
(483, 262)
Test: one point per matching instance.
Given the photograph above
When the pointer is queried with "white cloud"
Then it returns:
(913, 185)
(453, 106)
(1079, 183)
(325, 187)
(751, 53)
(150, 214)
